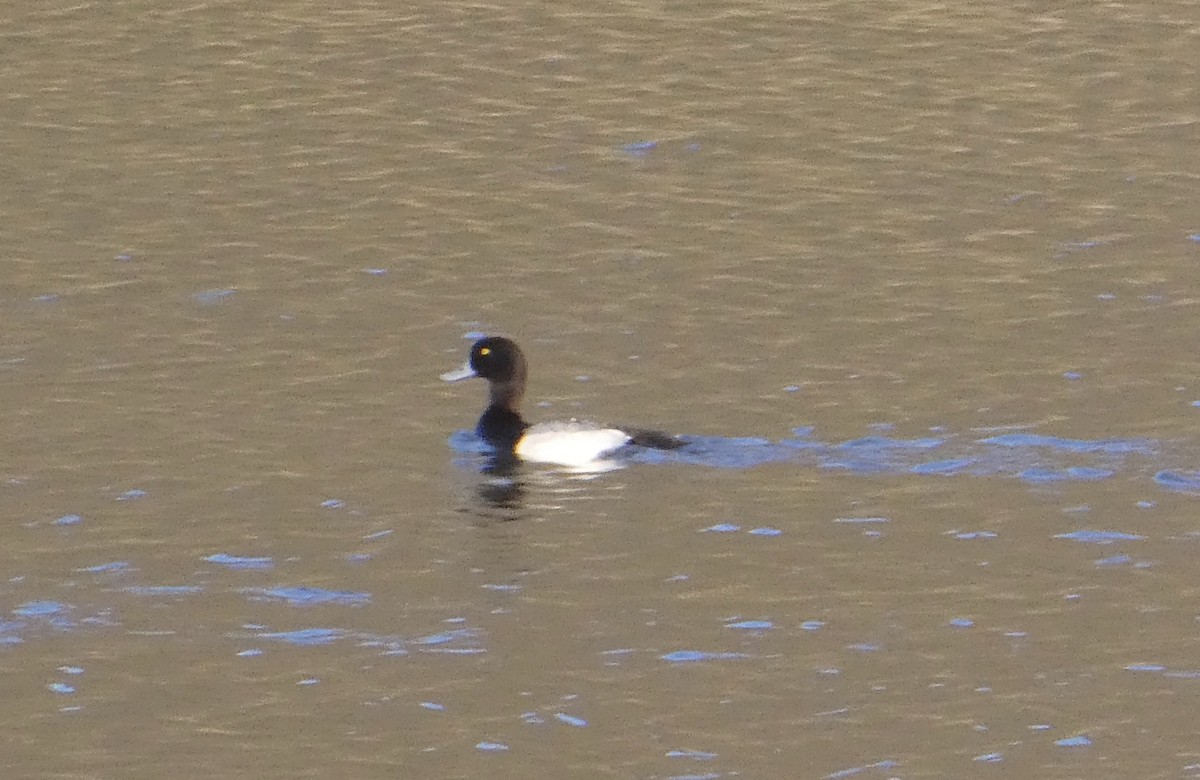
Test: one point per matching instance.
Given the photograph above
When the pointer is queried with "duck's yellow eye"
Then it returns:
(485, 351)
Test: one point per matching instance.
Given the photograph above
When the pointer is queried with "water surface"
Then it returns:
(917, 283)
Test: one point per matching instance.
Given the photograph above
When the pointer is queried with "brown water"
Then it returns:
(871, 250)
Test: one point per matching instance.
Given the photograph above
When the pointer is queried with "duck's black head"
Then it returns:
(497, 359)
(500, 361)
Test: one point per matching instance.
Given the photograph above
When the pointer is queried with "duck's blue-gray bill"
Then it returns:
(466, 372)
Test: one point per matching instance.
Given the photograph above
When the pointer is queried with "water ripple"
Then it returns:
(1099, 537)
(1181, 481)
(1109, 446)
(693, 656)
(305, 596)
(240, 562)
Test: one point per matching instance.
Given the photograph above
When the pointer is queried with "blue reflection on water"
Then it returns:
(751, 625)
(445, 637)
(33, 617)
(305, 636)
(639, 148)
(1099, 537)
(852, 771)
(972, 534)
(164, 590)
(1178, 674)
(106, 568)
(1069, 474)
(1145, 667)
(239, 561)
(461, 641)
(693, 656)
(951, 466)
(212, 297)
(131, 494)
(1183, 482)
(1109, 446)
(305, 596)
(40, 609)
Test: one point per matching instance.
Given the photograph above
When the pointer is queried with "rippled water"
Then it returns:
(916, 284)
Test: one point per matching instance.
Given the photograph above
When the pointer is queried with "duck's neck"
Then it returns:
(501, 427)
(501, 424)
(508, 395)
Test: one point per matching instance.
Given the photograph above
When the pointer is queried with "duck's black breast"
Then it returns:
(500, 427)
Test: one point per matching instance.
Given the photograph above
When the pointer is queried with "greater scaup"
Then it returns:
(573, 443)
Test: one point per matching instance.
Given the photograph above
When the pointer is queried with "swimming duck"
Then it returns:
(573, 443)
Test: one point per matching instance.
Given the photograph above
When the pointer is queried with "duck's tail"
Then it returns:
(656, 440)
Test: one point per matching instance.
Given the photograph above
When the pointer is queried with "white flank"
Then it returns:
(568, 444)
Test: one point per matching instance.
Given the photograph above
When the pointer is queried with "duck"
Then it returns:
(571, 443)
